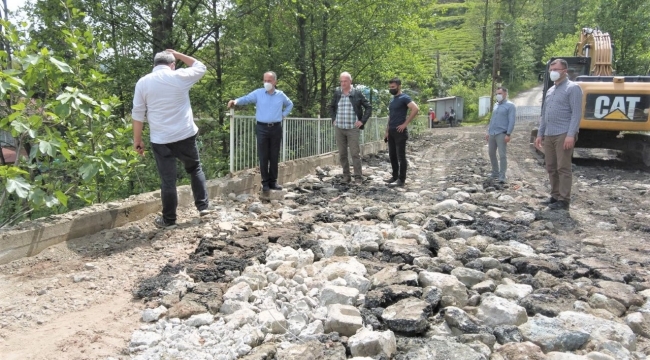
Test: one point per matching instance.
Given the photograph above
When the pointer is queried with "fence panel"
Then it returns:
(243, 144)
(528, 113)
(301, 137)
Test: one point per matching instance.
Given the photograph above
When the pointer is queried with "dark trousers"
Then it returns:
(269, 139)
(397, 152)
(188, 153)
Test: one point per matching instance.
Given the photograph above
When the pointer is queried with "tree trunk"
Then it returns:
(116, 56)
(162, 24)
(269, 34)
(485, 24)
(302, 105)
(323, 57)
(225, 142)
(7, 48)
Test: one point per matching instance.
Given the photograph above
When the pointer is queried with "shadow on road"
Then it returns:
(614, 161)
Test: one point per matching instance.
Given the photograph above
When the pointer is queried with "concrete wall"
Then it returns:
(33, 237)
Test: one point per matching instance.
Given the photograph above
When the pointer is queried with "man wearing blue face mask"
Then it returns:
(272, 106)
(501, 125)
(558, 132)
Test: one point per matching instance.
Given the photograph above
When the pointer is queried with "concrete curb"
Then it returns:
(33, 237)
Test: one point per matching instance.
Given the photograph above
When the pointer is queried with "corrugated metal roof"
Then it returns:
(444, 98)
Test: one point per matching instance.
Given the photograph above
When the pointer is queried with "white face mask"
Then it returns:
(268, 86)
(554, 75)
(499, 97)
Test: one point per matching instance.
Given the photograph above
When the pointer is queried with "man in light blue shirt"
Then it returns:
(501, 125)
(272, 106)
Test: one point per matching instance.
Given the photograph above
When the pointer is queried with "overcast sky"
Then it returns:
(15, 4)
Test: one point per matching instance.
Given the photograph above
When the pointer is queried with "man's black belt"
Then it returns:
(269, 123)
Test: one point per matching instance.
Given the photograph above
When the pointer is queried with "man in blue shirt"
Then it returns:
(397, 132)
(272, 106)
(501, 125)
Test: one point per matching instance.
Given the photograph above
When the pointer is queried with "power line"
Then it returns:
(496, 62)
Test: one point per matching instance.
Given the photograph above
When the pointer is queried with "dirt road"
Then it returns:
(74, 300)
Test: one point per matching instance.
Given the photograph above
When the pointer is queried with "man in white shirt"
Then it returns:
(163, 97)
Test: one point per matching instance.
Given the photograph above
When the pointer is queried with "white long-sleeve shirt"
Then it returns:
(163, 96)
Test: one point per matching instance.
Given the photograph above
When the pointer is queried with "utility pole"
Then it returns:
(438, 74)
(496, 62)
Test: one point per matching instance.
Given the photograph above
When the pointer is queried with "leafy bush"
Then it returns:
(78, 151)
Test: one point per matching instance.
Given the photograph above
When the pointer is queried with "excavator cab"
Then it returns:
(577, 66)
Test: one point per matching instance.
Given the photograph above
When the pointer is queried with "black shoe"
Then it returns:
(346, 179)
(549, 201)
(399, 183)
(559, 205)
(391, 180)
(275, 186)
(265, 188)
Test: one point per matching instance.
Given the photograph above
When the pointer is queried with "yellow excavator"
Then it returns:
(615, 108)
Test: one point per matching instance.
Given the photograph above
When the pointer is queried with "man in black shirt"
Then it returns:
(397, 132)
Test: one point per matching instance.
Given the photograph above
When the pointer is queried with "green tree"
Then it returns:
(564, 45)
(79, 152)
(628, 23)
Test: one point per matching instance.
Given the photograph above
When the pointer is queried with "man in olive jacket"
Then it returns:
(350, 111)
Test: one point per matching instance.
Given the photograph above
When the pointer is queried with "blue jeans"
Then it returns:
(188, 153)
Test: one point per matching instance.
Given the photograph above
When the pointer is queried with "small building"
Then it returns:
(8, 145)
(9, 155)
(483, 106)
(440, 105)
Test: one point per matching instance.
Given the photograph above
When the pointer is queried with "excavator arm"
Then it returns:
(598, 46)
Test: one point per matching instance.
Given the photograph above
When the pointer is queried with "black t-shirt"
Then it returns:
(397, 110)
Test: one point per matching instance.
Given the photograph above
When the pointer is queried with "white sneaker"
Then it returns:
(161, 223)
(207, 211)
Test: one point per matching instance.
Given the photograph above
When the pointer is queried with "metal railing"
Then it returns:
(301, 137)
(528, 113)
